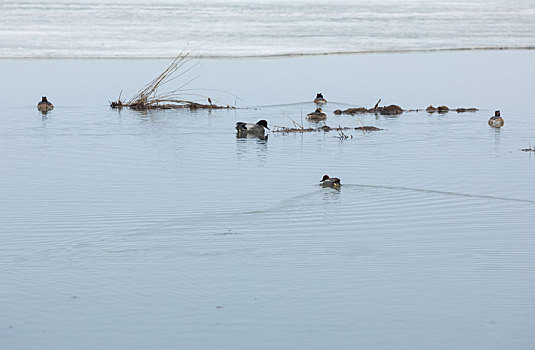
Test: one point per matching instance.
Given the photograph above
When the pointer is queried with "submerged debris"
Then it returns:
(395, 110)
(530, 149)
(443, 109)
(463, 110)
(368, 128)
(387, 110)
(446, 109)
(324, 128)
(391, 110)
(439, 109)
(353, 111)
(150, 98)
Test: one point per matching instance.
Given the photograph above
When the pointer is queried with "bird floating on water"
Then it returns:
(317, 115)
(255, 129)
(496, 121)
(44, 105)
(327, 181)
(320, 100)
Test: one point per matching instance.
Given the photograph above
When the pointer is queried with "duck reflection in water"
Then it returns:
(253, 136)
(248, 145)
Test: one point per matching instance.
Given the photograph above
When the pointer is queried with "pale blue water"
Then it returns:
(134, 28)
(162, 230)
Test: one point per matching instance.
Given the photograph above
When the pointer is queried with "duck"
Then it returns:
(44, 105)
(255, 129)
(496, 121)
(327, 181)
(317, 115)
(319, 100)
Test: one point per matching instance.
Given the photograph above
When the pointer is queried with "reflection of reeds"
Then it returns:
(341, 134)
(149, 97)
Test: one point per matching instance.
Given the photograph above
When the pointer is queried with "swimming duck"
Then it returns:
(319, 100)
(327, 181)
(496, 121)
(317, 115)
(256, 129)
(44, 105)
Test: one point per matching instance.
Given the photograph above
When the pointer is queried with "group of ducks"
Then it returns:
(260, 127)
(318, 115)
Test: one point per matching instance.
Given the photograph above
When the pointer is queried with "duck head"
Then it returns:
(319, 95)
(263, 123)
(497, 113)
(44, 99)
(325, 177)
(318, 110)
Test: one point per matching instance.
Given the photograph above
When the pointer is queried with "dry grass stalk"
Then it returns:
(149, 97)
(296, 124)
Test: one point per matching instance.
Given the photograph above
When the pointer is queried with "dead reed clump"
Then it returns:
(391, 110)
(324, 128)
(464, 110)
(386, 110)
(396, 110)
(368, 128)
(298, 128)
(443, 109)
(149, 96)
(446, 109)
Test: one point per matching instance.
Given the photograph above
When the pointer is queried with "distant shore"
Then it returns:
(282, 55)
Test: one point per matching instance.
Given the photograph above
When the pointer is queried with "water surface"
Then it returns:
(163, 230)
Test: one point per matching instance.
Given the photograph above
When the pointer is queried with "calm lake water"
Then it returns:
(162, 230)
